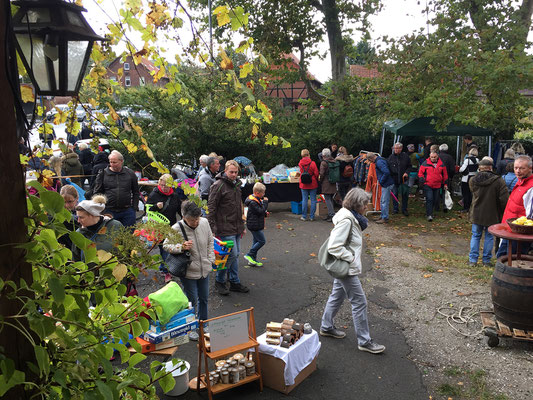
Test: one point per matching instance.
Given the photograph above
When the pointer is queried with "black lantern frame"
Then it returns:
(54, 42)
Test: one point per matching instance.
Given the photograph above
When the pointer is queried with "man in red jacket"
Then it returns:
(519, 203)
(433, 175)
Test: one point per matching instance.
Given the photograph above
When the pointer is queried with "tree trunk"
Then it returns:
(12, 227)
(336, 45)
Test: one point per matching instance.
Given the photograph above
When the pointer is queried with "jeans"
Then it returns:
(349, 287)
(258, 242)
(305, 194)
(384, 201)
(164, 255)
(232, 265)
(126, 216)
(329, 204)
(503, 249)
(405, 199)
(197, 291)
(477, 231)
(432, 199)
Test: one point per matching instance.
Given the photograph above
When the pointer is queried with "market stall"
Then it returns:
(282, 192)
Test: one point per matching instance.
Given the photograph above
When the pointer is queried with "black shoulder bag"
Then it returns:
(178, 263)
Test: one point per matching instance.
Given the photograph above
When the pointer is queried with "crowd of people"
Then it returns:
(490, 193)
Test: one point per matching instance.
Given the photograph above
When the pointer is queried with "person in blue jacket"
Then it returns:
(386, 182)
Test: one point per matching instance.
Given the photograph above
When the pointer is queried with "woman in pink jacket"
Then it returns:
(308, 184)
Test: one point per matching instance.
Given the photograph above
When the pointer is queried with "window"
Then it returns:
(127, 81)
(126, 66)
(142, 82)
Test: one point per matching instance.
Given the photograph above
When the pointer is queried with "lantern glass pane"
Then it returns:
(38, 16)
(76, 54)
(37, 62)
(75, 19)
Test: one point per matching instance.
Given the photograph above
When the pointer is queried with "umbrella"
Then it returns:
(243, 160)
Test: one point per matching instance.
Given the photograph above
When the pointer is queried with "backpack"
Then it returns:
(334, 174)
(306, 178)
(347, 172)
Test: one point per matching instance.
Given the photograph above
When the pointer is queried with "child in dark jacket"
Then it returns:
(255, 221)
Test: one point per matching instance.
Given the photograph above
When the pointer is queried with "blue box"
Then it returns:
(183, 317)
(296, 207)
(154, 337)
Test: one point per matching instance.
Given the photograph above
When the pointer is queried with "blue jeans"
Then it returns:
(329, 204)
(164, 255)
(126, 216)
(258, 242)
(384, 201)
(349, 287)
(432, 199)
(197, 291)
(305, 194)
(232, 270)
(477, 231)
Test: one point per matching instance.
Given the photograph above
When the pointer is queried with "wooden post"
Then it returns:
(12, 212)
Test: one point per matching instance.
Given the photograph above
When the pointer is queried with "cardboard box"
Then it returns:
(321, 209)
(154, 337)
(183, 317)
(273, 368)
(147, 347)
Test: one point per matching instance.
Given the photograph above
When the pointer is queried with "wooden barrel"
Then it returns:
(512, 294)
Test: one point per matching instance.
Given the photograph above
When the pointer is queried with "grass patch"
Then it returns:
(459, 262)
(467, 385)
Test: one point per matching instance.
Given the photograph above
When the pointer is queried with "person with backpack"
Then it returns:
(386, 182)
(399, 166)
(308, 184)
(468, 170)
(329, 176)
(346, 170)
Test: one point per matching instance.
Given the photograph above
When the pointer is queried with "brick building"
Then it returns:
(362, 71)
(289, 93)
(134, 75)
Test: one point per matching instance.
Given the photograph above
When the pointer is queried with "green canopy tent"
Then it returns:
(425, 126)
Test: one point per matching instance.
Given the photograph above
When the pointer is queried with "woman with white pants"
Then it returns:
(346, 243)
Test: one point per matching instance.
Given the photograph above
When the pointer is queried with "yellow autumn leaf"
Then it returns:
(246, 69)
(226, 62)
(255, 130)
(112, 112)
(120, 271)
(26, 92)
(149, 152)
(103, 255)
(234, 112)
(222, 14)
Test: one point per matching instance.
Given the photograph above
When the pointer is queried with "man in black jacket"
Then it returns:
(399, 165)
(119, 184)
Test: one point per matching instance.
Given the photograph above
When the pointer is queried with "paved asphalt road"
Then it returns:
(291, 284)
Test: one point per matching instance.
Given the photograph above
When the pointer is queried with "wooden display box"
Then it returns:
(273, 373)
(321, 209)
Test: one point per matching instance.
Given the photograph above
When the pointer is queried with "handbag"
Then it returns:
(177, 264)
(448, 202)
(336, 267)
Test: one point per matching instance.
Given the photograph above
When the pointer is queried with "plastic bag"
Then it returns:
(448, 202)
(171, 299)
(279, 170)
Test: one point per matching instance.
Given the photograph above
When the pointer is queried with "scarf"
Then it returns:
(166, 194)
(363, 221)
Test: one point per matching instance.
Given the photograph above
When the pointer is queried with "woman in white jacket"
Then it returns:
(346, 243)
(200, 245)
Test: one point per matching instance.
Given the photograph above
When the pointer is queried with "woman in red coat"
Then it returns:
(308, 184)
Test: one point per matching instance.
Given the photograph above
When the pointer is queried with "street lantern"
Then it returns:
(54, 42)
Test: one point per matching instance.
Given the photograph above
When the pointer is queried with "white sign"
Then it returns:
(228, 331)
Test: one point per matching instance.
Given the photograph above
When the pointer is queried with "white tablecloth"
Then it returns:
(296, 357)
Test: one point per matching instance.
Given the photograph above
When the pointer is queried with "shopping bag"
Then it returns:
(448, 202)
(336, 267)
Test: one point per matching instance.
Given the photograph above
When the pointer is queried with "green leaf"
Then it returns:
(61, 378)
(104, 390)
(16, 378)
(167, 383)
(52, 201)
(136, 359)
(136, 328)
(79, 240)
(57, 289)
(43, 360)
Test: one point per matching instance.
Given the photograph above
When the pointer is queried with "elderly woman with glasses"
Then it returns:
(166, 201)
(346, 243)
